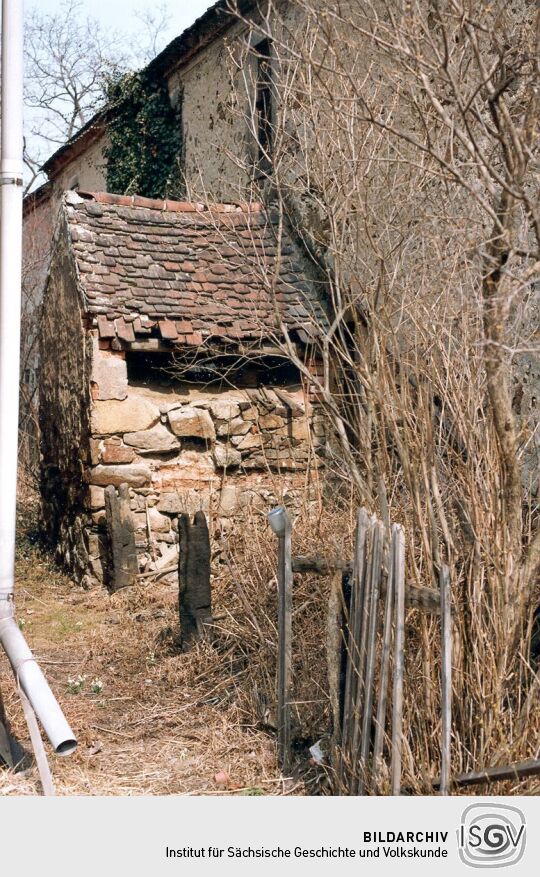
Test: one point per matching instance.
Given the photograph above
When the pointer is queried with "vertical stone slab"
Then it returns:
(188, 626)
(124, 566)
(195, 593)
(198, 571)
(108, 379)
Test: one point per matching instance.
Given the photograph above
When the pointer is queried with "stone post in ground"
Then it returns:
(195, 594)
(124, 566)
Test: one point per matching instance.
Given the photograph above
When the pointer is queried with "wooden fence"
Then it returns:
(377, 583)
(365, 653)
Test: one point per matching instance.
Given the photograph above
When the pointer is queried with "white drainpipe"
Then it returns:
(24, 665)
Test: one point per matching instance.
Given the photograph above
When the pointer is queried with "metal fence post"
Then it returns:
(281, 525)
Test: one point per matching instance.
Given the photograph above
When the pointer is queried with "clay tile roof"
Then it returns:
(187, 272)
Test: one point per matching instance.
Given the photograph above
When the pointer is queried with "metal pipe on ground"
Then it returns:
(24, 665)
(33, 683)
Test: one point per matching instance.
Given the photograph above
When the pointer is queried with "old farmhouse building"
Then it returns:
(202, 307)
(173, 330)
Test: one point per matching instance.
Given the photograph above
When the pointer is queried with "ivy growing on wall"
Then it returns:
(145, 130)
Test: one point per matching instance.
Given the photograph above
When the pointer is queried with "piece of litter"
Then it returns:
(316, 752)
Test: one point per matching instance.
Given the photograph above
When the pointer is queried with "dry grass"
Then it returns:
(168, 723)
(164, 722)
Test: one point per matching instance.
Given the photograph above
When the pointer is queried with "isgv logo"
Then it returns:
(491, 835)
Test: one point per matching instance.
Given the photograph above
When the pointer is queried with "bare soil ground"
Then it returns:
(149, 720)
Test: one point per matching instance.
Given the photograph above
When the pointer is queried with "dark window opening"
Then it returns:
(263, 104)
(169, 373)
(178, 176)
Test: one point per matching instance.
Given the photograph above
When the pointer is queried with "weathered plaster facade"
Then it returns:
(210, 71)
(86, 171)
(218, 148)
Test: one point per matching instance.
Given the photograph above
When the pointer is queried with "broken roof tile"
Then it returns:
(105, 327)
(168, 330)
(124, 330)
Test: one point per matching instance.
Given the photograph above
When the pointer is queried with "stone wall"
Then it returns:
(64, 404)
(37, 235)
(231, 453)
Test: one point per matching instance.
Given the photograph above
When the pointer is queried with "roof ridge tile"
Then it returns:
(169, 205)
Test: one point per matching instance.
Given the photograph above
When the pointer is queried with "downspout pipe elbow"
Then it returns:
(33, 682)
(30, 678)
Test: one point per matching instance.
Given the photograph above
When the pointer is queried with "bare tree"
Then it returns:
(69, 59)
(154, 24)
(404, 147)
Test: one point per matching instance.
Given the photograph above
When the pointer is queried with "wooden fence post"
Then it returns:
(398, 552)
(365, 610)
(355, 616)
(380, 721)
(373, 580)
(446, 678)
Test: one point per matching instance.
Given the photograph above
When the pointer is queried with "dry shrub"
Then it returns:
(246, 604)
(247, 591)
(168, 722)
(404, 151)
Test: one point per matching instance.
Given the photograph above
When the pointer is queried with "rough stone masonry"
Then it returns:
(190, 452)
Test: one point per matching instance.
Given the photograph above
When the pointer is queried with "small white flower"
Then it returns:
(75, 686)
